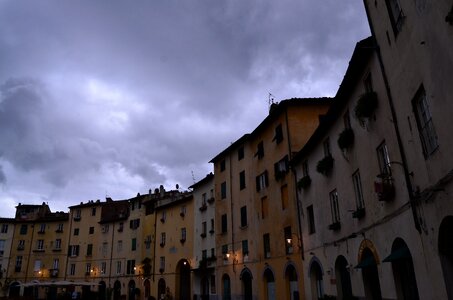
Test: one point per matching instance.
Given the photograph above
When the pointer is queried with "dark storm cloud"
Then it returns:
(115, 97)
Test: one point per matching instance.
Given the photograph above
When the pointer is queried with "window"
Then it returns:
(278, 137)
(2, 247)
(134, 224)
(56, 264)
(148, 242)
(183, 234)
(204, 254)
(347, 120)
(89, 249)
(311, 219)
(93, 211)
(245, 247)
(60, 227)
(396, 15)
(42, 228)
(383, 160)
(58, 244)
(260, 150)
(105, 228)
(18, 265)
(74, 250)
(240, 153)
(4, 228)
(305, 168)
(326, 147)
(130, 269)
(334, 207)
(134, 244)
(242, 180)
(267, 245)
(21, 245)
(23, 229)
(212, 226)
(37, 266)
(262, 181)
(72, 269)
(183, 209)
(203, 229)
(105, 247)
(119, 246)
(88, 268)
(77, 215)
(213, 290)
(425, 124)
(118, 267)
(358, 190)
(162, 264)
(224, 250)
(224, 223)
(244, 216)
(281, 168)
(212, 252)
(163, 238)
(284, 196)
(91, 230)
(164, 216)
(288, 240)
(76, 231)
(40, 245)
(264, 208)
(222, 166)
(223, 190)
(120, 227)
(103, 267)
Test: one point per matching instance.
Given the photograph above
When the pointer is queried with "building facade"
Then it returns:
(258, 234)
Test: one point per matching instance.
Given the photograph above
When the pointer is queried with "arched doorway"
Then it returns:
(161, 287)
(117, 290)
(131, 290)
(403, 270)
(147, 286)
(102, 290)
(291, 283)
(182, 289)
(226, 287)
(269, 281)
(246, 278)
(344, 287)
(14, 290)
(204, 288)
(445, 245)
(370, 275)
(316, 282)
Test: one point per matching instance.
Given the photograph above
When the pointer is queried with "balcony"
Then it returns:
(183, 240)
(53, 273)
(203, 235)
(162, 244)
(77, 218)
(20, 247)
(203, 207)
(335, 226)
(211, 200)
(359, 213)
(161, 270)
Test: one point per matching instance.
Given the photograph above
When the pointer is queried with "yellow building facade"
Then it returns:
(258, 234)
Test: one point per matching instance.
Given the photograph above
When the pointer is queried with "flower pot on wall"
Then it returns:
(345, 139)
(366, 105)
(325, 165)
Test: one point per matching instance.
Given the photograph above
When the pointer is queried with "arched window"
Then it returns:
(226, 287)
(246, 278)
(269, 284)
(316, 282)
(291, 282)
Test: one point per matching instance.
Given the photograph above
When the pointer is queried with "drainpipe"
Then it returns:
(299, 222)
(232, 210)
(412, 198)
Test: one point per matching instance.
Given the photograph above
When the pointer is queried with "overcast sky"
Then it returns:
(113, 98)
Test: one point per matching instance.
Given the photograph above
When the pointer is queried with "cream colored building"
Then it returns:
(204, 281)
(258, 242)
(415, 42)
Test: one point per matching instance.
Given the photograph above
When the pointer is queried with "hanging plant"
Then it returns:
(304, 182)
(346, 138)
(325, 165)
(366, 105)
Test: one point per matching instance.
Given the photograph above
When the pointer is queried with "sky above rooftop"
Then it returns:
(113, 98)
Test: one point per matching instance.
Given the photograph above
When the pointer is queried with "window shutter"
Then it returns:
(266, 178)
(257, 183)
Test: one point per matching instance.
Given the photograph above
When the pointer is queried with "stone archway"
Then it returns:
(269, 283)
(291, 279)
(161, 288)
(316, 280)
(117, 290)
(183, 283)
(226, 287)
(343, 278)
(131, 290)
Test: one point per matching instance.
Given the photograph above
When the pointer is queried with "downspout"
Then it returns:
(111, 255)
(153, 203)
(69, 243)
(299, 222)
(232, 210)
(29, 251)
(412, 198)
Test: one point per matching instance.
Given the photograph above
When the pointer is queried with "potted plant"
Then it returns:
(325, 165)
(366, 105)
(335, 226)
(345, 139)
(304, 182)
(359, 213)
